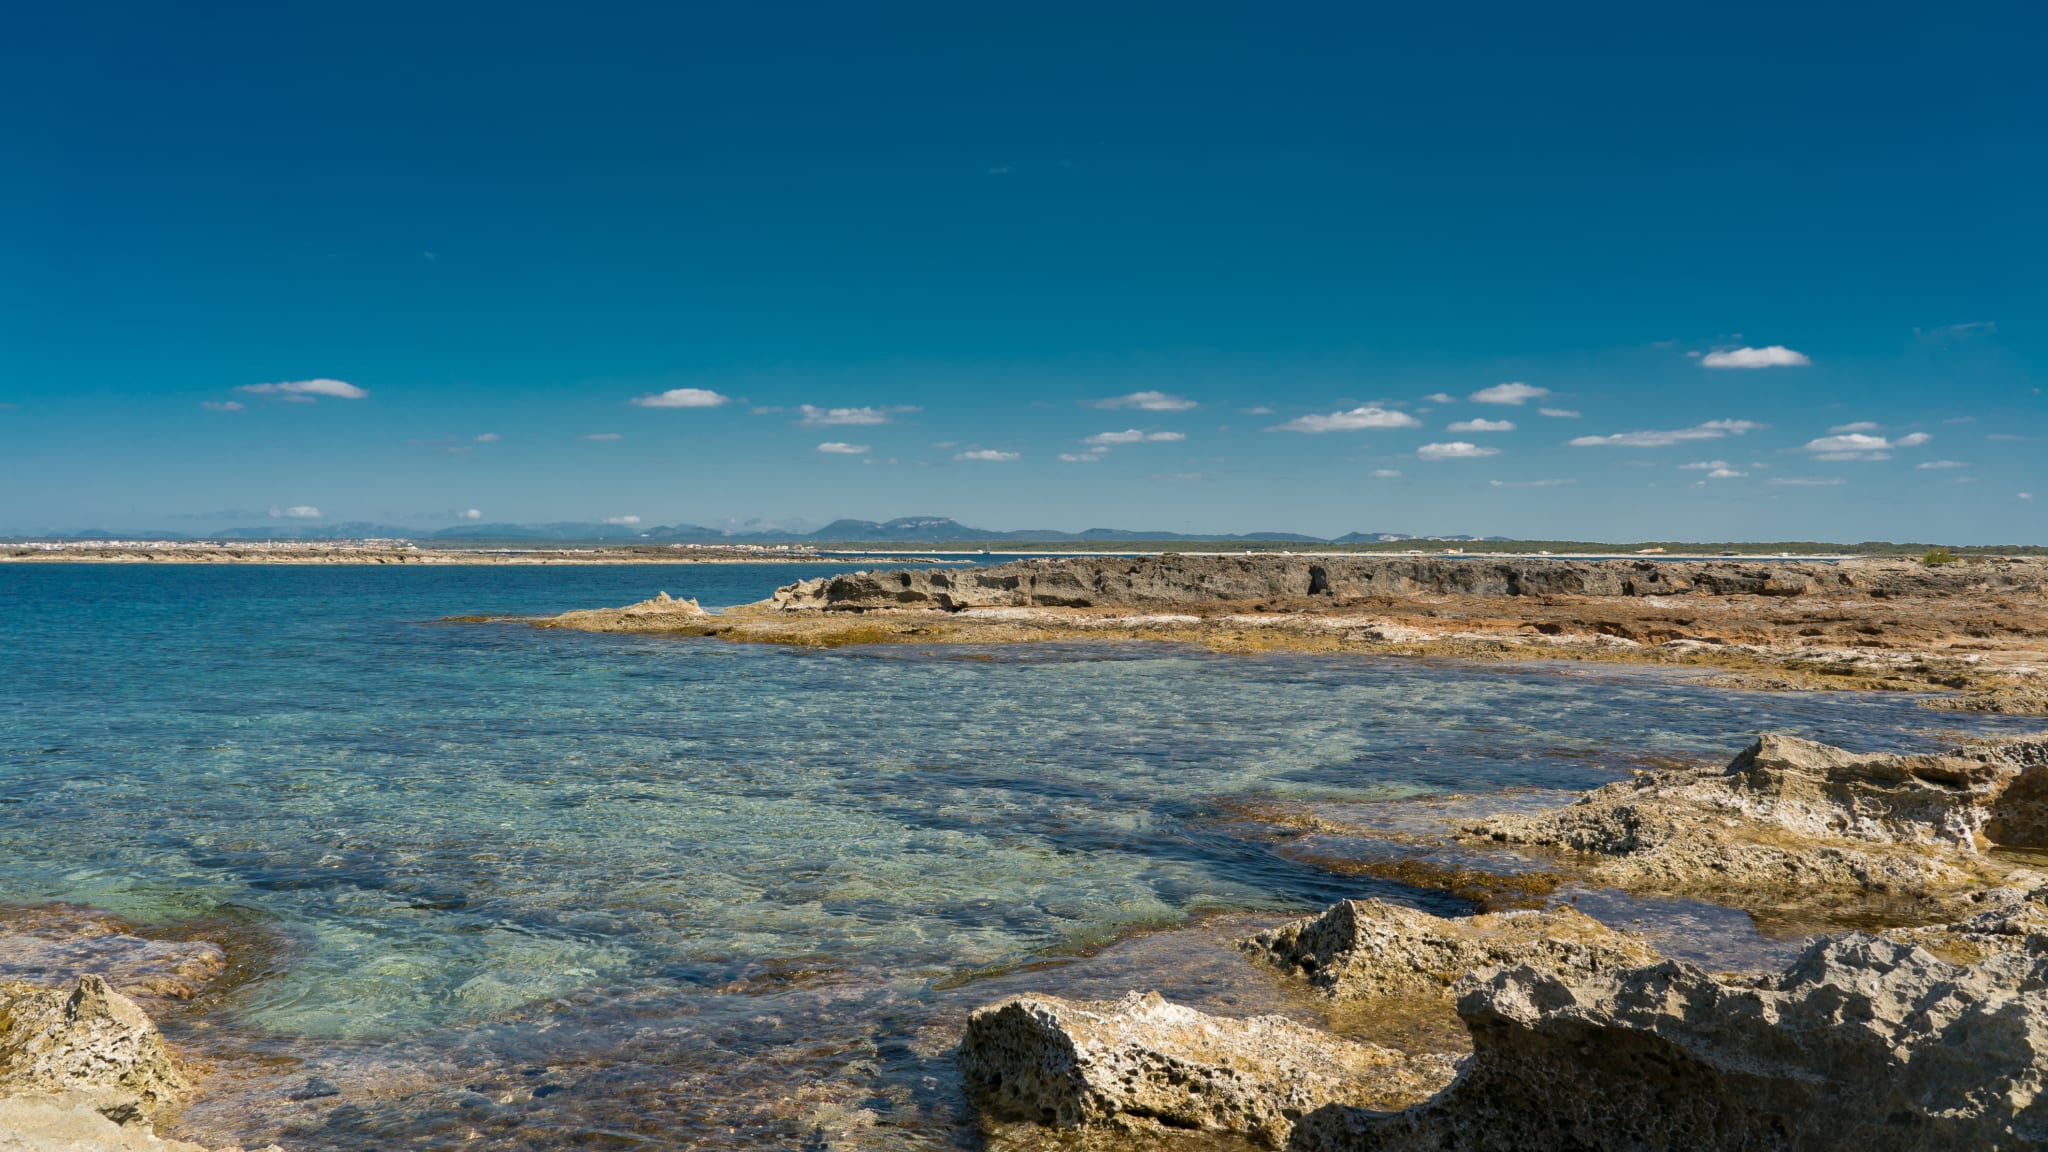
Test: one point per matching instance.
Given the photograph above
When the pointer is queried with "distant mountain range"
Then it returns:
(903, 530)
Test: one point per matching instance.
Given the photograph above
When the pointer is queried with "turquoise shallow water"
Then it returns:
(481, 846)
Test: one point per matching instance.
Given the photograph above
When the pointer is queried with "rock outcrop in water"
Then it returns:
(1180, 580)
(1141, 1063)
(1864, 1043)
(1366, 949)
(1791, 814)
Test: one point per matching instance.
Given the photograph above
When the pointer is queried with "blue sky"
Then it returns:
(406, 263)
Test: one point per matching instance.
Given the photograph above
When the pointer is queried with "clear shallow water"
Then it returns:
(486, 845)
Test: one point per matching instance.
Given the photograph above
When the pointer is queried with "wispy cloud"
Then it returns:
(1455, 450)
(488, 438)
(1149, 402)
(1808, 481)
(2023, 495)
(625, 521)
(1858, 426)
(841, 448)
(1862, 446)
(600, 436)
(296, 512)
(683, 398)
(989, 455)
(1715, 469)
(1261, 410)
(1133, 436)
(1441, 398)
(1935, 465)
(1386, 473)
(816, 417)
(1088, 457)
(221, 405)
(1483, 426)
(1527, 483)
(1353, 420)
(471, 514)
(1560, 413)
(1774, 356)
(307, 389)
(1711, 430)
(1511, 393)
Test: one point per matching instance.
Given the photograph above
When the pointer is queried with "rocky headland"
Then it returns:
(1975, 632)
(1930, 1034)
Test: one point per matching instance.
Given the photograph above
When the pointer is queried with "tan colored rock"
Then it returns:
(1791, 814)
(1865, 1044)
(1361, 949)
(663, 613)
(86, 1037)
(74, 1122)
(1141, 1063)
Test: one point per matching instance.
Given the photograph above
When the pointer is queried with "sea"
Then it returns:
(492, 886)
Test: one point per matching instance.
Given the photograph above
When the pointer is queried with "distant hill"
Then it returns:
(902, 530)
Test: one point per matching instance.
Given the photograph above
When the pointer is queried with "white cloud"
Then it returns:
(1862, 446)
(841, 448)
(626, 521)
(1775, 356)
(600, 436)
(1711, 430)
(1454, 450)
(814, 416)
(307, 389)
(1261, 410)
(988, 454)
(1932, 465)
(1088, 457)
(1367, 416)
(1528, 483)
(1726, 474)
(472, 514)
(2023, 495)
(1386, 473)
(1808, 481)
(221, 405)
(1703, 465)
(296, 512)
(1483, 426)
(1858, 426)
(1513, 393)
(1441, 398)
(1133, 436)
(1149, 402)
(488, 438)
(683, 398)
(1560, 413)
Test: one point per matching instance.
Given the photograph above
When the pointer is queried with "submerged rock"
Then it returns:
(1360, 949)
(1794, 814)
(1864, 1043)
(1143, 1063)
(86, 1038)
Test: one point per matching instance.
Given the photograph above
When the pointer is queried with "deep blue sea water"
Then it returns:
(485, 845)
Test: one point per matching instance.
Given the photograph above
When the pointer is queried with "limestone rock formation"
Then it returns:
(85, 1038)
(1864, 1043)
(1359, 949)
(1142, 1063)
(1174, 579)
(1793, 814)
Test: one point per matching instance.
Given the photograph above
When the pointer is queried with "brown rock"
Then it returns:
(86, 1037)
(1141, 1063)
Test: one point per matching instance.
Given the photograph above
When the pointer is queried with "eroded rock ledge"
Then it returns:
(1793, 816)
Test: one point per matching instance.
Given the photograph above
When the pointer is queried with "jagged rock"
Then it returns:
(1141, 1062)
(1361, 949)
(85, 1038)
(2013, 919)
(1793, 814)
(1864, 1043)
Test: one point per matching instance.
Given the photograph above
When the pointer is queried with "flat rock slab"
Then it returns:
(1364, 949)
(1141, 1063)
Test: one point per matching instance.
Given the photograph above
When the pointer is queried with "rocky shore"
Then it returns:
(1924, 1036)
(1975, 632)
